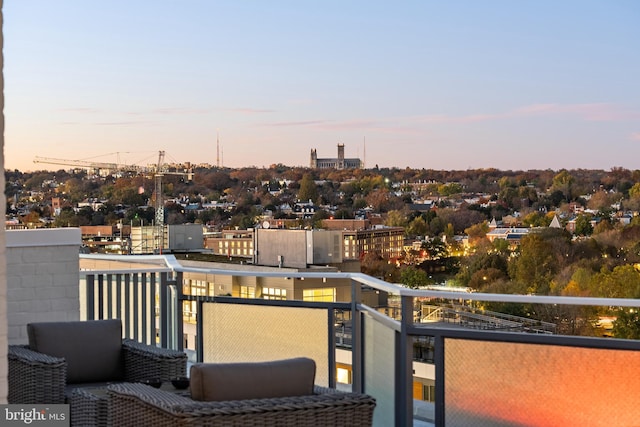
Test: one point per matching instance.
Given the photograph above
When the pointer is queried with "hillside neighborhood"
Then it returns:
(541, 232)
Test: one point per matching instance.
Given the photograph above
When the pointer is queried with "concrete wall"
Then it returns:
(185, 237)
(42, 274)
(326, 246)
(271, 246)
(297, 248)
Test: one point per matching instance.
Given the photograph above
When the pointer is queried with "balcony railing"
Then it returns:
(483, 376)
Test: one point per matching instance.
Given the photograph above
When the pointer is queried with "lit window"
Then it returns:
(344, 376)
(247, 292)
(320, 294)
(274, 293)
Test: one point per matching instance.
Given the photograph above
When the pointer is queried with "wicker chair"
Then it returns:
(133, 405)
(37, 377)
(275, 393)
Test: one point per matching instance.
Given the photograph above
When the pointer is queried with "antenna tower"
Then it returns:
(364, 152)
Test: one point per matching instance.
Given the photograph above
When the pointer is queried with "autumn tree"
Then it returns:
(417, 227)
(396, 218)
(627, 323)
(583, 225)
(564, 182)
(308, 189)
(435, 248)
(621, 282)
(477, 232)
(449, 189)
(602, 200)
(535, 266)
(373, 264)
(413, 277)
(482, 279)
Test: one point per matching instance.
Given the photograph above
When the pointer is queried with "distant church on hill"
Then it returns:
(338, 163)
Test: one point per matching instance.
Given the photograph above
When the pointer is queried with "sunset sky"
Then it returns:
(542, 84)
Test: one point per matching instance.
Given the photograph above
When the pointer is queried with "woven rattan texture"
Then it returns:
(35, 377)
(136, 404)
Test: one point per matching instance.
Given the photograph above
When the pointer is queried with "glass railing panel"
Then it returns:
(379, 369)
(520, 384)
(255, 333)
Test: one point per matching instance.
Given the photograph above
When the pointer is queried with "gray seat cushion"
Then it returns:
(92, 349)
(239, 381)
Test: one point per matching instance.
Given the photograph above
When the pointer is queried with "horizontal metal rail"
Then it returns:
(112, 289)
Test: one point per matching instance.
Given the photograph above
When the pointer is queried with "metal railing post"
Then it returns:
(357, 355)
(331, 359)
(91, 297)
(118, 288)
(109, 298)
(127, 318)
(179, 312)
(164, 311)
(151, 313)
(100, 297)
(144, 285)
(199, 332)
(136, 304)
(404, 365)
(438, 360)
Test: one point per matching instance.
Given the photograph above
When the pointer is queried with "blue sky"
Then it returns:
(427, 84)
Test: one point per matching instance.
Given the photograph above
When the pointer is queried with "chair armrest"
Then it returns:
(132, 404)
(35, 377)
(142, 361)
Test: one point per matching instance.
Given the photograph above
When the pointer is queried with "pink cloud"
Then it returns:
(347, 125)
(301, 123)
(87, 110)
(588, 112)
(250, 110)
(178, 110)
(125, 123)
(635, 136)
(472, 118)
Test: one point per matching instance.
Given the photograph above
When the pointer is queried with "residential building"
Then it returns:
(360, 237)
(108, 239)
(511, 234)
(177, 238)
(343, 243)
(230, 243)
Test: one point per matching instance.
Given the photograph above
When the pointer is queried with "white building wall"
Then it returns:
(42, 277)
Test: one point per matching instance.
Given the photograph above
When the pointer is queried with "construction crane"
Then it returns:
(158, 171)
(158, 200)
(159, 205)
(84, 164)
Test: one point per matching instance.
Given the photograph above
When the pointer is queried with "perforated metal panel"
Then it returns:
(508, 384)
(379, 369)
(251, 333)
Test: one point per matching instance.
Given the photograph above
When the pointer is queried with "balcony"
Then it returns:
(428, 357)
(485, 368)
